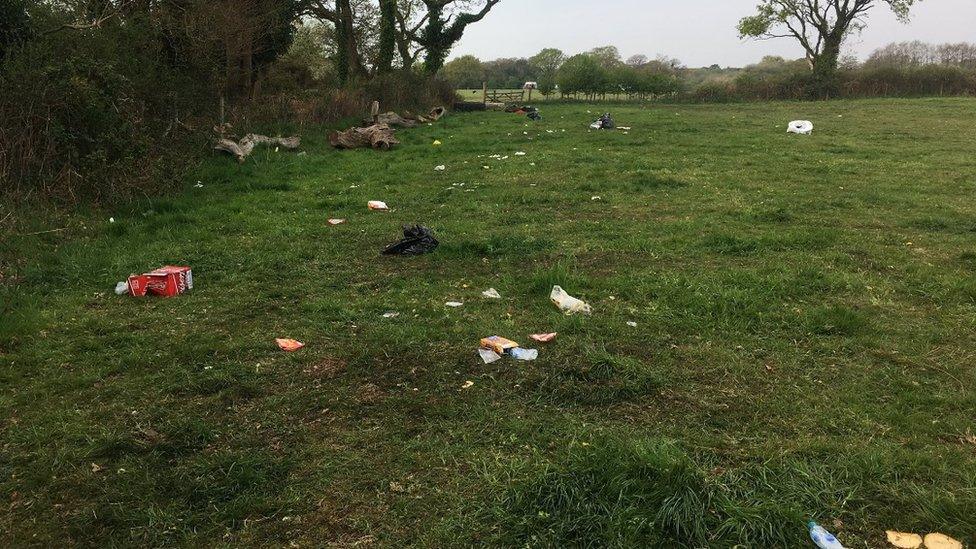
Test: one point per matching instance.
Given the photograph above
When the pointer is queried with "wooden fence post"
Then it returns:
(484, 91)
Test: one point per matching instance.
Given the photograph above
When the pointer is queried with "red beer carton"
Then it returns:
(168, 281)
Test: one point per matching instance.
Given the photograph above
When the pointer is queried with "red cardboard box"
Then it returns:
(167, 282)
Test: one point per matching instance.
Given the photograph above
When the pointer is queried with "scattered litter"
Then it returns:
(467, 385)
(595, 198)
(822, 538)
(437, 143)
(486, 167)
(800, 127)
(491, 293)
(336, 221)
(489, 356)
(391, 314)
(111, 220)
(544, 338)
(498, 344)
(417, 240)
(198, 185)
(628, 128)
(519, 353)
(96, 468)
(904, 540)
(122, 288)
(568, 304)
(440, 168)
(289, 345)
(168, 281)
(941, 541)
(454, 304)
(605, 122)
(520, 153)
(378, 205)
(632, 324)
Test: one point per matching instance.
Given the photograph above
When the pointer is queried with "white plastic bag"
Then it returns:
(568, 304)
(800, 127)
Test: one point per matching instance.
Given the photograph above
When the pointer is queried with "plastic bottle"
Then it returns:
(519, 353)
(823, 538)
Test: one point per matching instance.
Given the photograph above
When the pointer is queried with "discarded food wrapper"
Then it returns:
(440, 168)
(168, 281)
(467, 385)
(417, 240)
(520, 153)
(519, 353)
(454, 304)
(904, 540)
(498, 344)
(801, 127)
(489, 356)
(336, 221)
(491, 293)
(377, 205)
(437, 143)
(632, 324)
(568, 304)
(624, 128)
(391, 314)
(544, 338)
(941, 541)
(289, 345)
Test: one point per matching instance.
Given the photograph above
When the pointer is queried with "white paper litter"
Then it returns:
(800, 127)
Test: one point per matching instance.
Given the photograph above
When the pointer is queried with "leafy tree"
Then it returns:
(465, 72)
(15, 24)
(444, 29)
(607, 56)
(582, 74)
(546, 65)
(820, 26)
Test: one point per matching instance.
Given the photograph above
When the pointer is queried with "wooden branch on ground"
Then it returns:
(377, 136)
(243, 148)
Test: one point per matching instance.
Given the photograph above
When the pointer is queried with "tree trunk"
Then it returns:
(388, 36)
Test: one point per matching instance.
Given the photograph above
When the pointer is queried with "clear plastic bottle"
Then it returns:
(823, 538)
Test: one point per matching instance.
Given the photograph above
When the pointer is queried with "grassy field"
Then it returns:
(804, 349)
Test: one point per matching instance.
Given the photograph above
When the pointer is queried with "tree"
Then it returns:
(607, 56)
(15, 24)
(465, 72)
(582, 73)
(638, 60)
(820, 26)
(445, 28)
(388, 36)
(546, 65)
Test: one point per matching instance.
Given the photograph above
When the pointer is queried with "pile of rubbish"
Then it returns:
(417, 240)
(378, 133)
(605, 122)
(532, 113)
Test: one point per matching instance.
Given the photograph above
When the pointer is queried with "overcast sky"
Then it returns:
(698, 32)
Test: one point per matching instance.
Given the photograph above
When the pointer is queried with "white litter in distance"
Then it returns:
(800, 127)
(440, 168)
(491, 293)
(454, 304)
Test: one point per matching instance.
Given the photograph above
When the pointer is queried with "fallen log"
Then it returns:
(377, 136)
(393, 119)
(243, 148)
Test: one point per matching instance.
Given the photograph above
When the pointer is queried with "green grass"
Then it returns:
(805, 347)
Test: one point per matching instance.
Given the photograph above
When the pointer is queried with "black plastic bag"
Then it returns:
(417, 240)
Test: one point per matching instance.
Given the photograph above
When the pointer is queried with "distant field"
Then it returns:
(804, 347)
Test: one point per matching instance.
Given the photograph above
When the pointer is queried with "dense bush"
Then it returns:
(120, 109)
